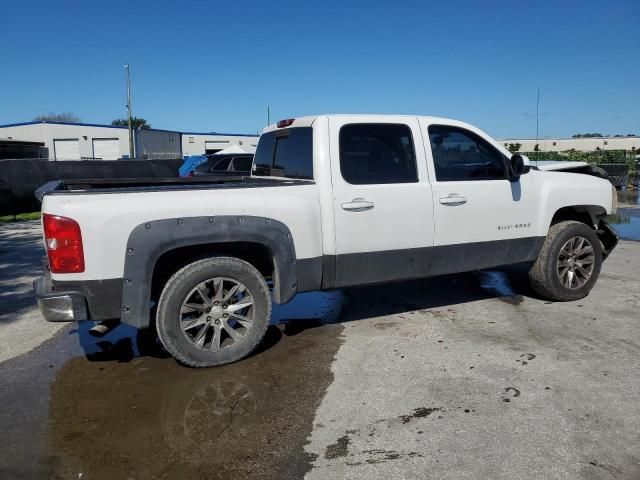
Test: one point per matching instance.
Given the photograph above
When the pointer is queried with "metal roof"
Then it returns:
(19, 124)
(81, 124)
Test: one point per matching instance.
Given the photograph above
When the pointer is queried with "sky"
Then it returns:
(204, 66)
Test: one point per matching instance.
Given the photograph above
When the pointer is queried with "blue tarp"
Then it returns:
(190, 164)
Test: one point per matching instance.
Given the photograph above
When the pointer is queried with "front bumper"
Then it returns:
(608, 236)
(59, 306)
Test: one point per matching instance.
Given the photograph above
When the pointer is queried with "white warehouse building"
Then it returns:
(88, 141)
(580, 144)
(208, 143)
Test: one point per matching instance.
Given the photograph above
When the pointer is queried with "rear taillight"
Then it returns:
(64, 244)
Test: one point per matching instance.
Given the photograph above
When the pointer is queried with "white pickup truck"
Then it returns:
(339, 200)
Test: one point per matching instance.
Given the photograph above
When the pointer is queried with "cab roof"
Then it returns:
(307, 121)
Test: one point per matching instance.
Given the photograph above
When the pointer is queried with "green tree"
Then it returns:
(587, 135)
(57, 117)
(514, 147)
(136, 122)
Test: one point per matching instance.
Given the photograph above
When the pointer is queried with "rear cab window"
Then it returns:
(285, 153)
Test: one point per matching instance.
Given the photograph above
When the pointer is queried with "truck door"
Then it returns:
(382, 200)
(481, 218)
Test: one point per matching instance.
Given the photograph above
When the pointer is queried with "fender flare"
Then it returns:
(594, 212)
(149, 240)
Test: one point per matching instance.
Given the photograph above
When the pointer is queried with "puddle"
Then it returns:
(627, 223)
(324, 306)
(628, 231)
(117, 407)
(498, 284)
(124, 343)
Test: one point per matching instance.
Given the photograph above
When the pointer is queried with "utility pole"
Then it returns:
(538, 124)
(537, 114)
(131, 153)
(268, 115)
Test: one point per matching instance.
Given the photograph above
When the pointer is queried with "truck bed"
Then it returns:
(122, 185)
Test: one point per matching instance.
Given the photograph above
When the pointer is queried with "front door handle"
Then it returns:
(453, 200)
(357, 205)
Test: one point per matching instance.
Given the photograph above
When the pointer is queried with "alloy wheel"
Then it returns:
(217, 313)
(575, 262)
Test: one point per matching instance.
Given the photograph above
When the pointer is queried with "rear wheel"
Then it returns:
(569, 262)
(213, 311)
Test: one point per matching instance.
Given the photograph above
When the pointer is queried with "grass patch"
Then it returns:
(20, 217)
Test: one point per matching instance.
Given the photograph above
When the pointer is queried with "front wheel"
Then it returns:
(213, 311)
(569, 262)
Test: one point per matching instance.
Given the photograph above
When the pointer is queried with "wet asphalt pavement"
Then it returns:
(119, 407)
(464, 376)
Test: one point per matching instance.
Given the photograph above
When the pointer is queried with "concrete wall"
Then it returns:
(158, 144)
(580, 144)
(48, 132)
(194, 143)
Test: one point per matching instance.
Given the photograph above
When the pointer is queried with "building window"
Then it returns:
(554, 144)
(191, 140)
(606, 143)
(171, 137)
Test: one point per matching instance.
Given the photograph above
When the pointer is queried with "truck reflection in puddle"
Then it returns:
(150, 417)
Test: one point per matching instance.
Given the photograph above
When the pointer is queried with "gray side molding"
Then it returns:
(148, 241)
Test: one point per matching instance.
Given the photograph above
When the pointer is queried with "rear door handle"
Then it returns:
(453, 200)
(357, 205)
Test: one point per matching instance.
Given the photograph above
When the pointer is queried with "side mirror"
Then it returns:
(518, 166)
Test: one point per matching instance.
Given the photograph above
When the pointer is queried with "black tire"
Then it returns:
(544, 274)
(176, 291)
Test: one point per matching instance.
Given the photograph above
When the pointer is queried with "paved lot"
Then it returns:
(439, 380)
(465, 376)
(21, 325)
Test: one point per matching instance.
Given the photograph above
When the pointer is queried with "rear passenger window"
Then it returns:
(459, 154)
(377, 153)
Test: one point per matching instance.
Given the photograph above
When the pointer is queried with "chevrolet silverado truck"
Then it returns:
(340, 200)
